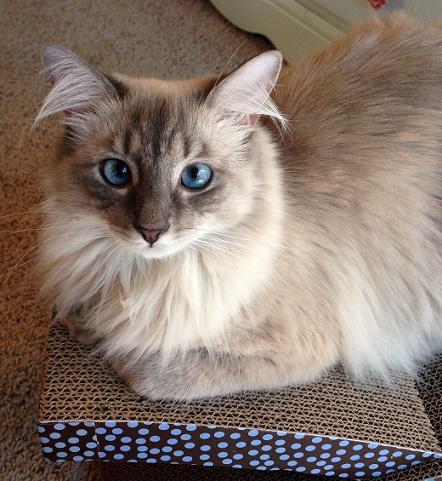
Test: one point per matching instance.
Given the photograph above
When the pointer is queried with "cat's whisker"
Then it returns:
(244, 241)
(39, 209)
(194, 249)
(18, 263)
(230, 234)
(210, 246)
(29, 261)
(39, 229)
(237, 237)
(240, 241)
(231, 57)
(216, 250)
(226, 242)
(26, 212)
(247, 246)
(30, 229)
(205, 250)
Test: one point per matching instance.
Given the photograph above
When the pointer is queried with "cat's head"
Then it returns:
(159, 164)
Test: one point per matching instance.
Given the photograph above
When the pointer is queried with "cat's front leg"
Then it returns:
(78, 331)
(201, 374)
(76, 323)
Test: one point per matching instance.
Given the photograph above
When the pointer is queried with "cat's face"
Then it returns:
(158, 172)
(158, 165)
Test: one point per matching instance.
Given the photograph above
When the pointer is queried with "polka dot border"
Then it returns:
(228, 447)
(72, 441)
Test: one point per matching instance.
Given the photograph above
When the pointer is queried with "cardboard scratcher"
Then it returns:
(328, 429)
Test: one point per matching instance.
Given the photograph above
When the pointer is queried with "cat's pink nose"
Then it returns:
(151, 235)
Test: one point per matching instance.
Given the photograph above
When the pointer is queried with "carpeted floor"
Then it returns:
(165, 38)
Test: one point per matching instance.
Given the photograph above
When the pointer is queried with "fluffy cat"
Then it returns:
(253, 230)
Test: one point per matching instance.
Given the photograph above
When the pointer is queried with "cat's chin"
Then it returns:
(158, 251)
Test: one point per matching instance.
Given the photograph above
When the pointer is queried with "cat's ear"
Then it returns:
(77, 87)
(245, 94)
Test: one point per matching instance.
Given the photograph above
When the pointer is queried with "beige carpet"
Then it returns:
(166, 38)
(163, 38)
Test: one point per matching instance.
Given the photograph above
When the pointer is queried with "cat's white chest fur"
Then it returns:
(139, 304)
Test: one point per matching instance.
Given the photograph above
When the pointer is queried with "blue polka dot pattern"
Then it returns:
(211, 446)
(73, 441)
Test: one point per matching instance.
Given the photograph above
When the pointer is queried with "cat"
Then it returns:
(252, 230)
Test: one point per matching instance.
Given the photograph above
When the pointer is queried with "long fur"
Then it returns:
(312, 245)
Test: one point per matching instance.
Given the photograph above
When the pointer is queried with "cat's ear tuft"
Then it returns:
(245, 94)
(76, 85)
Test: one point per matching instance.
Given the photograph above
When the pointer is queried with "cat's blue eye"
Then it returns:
(196, 176)
(116, 172)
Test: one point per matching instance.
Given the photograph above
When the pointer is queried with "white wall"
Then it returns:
(299, 27)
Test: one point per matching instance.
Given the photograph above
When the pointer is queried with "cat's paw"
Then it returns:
(78, 332)
(150, 381)
(181, 380)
